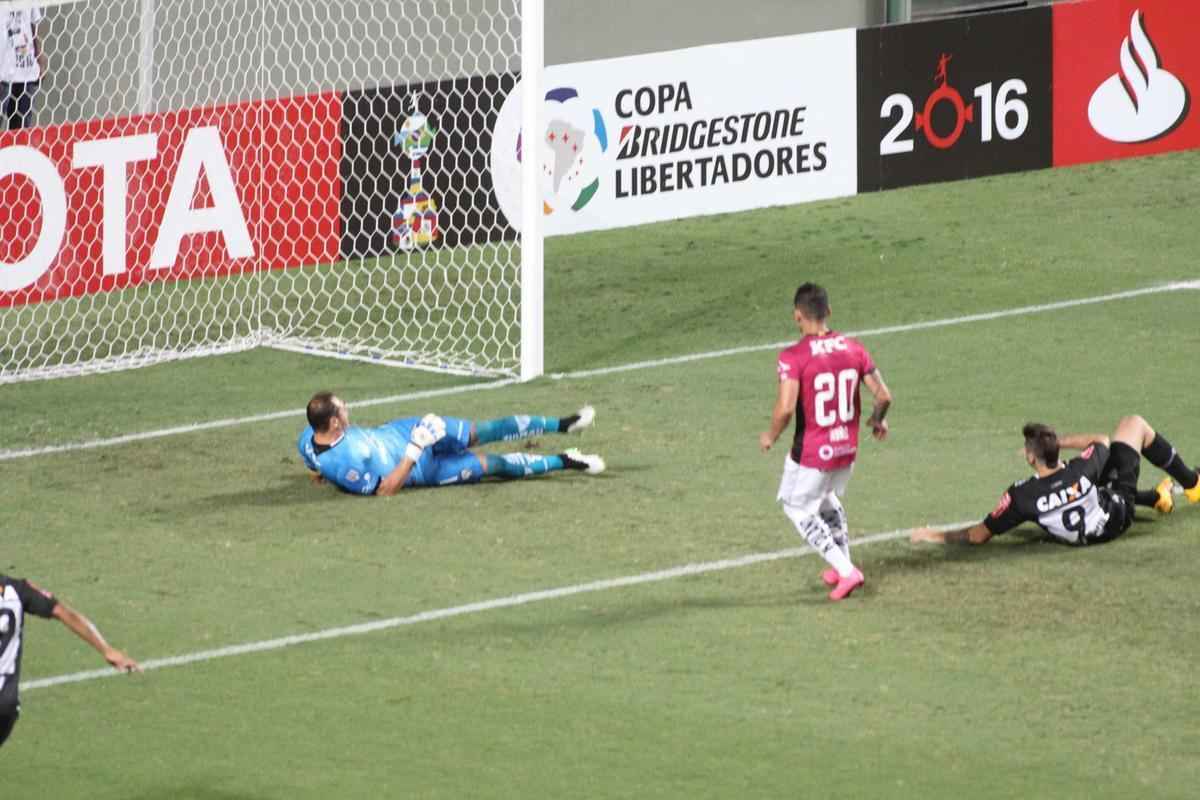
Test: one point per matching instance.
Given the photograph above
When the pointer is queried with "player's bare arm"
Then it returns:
(883, 401)
(781, 415)
(1082, 441)
(84, 629)
(394, 480)
(975, 534)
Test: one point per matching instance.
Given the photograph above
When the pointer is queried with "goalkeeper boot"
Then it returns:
(590, 463)
(1165, 503)
(847, 585)
(1193, 494)
(830, 577)
(581, 419)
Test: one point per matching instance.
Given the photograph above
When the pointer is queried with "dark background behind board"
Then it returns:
(374, 171)
(985, 47)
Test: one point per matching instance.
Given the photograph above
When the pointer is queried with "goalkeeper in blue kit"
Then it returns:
(430, 450)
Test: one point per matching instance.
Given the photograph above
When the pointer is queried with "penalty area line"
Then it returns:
(511, 601)
(298, 414)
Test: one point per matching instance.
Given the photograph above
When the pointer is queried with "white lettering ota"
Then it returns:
(203, 154)
(11, 614)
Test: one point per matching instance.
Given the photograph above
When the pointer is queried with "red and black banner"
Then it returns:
(954, 98)
(107, 204)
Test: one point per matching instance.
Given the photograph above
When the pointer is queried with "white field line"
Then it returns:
(11, 455)
(912, 326)
(470, 608)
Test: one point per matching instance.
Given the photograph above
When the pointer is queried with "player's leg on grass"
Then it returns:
(524, 426)
(1137, 433)
(801, 492)
(1160, 498)
(834, 514)
(469, 467)
(524, 465)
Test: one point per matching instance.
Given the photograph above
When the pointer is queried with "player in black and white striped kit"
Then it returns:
(17, 598)
(1089, 499)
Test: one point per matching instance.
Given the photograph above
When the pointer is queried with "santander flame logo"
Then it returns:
(1142, 101)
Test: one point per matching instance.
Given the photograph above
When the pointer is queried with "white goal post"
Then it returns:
(188, 177)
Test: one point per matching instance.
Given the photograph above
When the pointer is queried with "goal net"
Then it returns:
(190, 177)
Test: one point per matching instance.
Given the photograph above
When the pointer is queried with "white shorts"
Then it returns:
(805, 488)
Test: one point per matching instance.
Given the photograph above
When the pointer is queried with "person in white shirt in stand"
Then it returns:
(22, 65)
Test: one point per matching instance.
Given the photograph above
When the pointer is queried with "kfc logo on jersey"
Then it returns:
(827, 347)
(1142, 101)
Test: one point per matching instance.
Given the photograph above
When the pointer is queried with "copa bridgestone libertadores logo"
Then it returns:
(569, 152)
(1142, 101)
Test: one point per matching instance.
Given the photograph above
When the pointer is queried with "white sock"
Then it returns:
(816, 532)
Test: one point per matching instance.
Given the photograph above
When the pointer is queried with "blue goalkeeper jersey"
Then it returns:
(363, 457)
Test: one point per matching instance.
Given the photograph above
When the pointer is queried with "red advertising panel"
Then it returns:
(106, 204)
(1125, 72)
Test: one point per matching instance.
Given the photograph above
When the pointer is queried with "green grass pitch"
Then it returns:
(1019, 669)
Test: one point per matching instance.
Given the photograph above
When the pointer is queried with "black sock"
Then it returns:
(566, 422)
(1161, 454)
(1146, 497)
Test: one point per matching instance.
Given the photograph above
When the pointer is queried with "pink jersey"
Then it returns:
(829, 369)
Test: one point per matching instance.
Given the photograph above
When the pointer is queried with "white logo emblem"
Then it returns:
(466, 474)
(352, 475)
(825, 452)
(1142, 102)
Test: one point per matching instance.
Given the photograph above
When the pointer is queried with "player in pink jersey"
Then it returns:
(819, 381)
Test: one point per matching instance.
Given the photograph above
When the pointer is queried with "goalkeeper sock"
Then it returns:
(522, 465)
(1161, 454)
(521, 426)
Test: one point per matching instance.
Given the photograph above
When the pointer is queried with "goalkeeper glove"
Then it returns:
(428, 432)
(435, 424)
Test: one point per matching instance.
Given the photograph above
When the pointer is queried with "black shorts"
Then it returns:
(1121, 470)
(1120, 477)
(8, 719)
